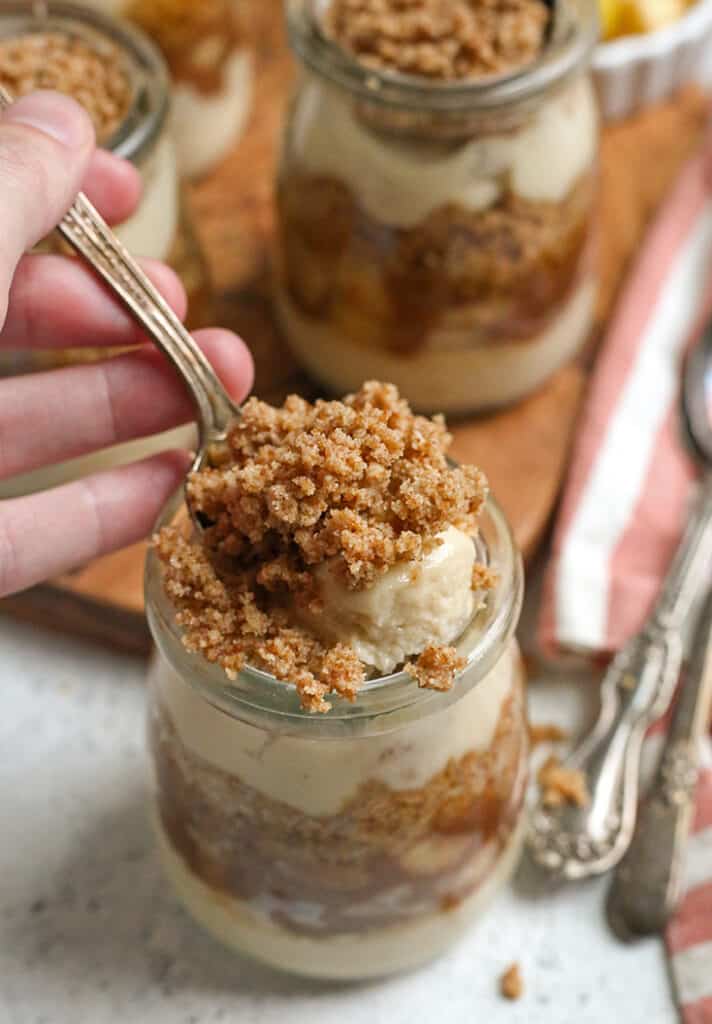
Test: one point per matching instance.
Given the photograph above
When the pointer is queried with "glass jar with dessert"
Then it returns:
(116, 73)
(208, 47)
(337, 714)
(436, 195)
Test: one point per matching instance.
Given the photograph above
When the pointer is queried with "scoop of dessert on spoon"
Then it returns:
(87, 232)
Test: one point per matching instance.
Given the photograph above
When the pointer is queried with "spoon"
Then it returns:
(647, 883)
(570, 843)
(87, 232)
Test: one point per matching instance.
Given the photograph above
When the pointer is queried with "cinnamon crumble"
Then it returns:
(561, 785)
(436, 667)
(52, 60)
(440, 39)
(359, 486)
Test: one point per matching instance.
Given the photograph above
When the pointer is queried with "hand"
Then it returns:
(46, 155)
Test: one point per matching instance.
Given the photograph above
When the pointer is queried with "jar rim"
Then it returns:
(569, 46)
(146, 116)
(256, 692)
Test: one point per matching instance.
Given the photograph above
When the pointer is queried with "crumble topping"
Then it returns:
(440, 39)
(511, 984)
(561, 785)
(52, 60)
(361, 484)
(436, 667)
(483, 578)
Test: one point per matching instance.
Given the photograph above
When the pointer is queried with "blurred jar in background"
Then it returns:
(115, 71)
(434, 230)
(117, 74)
(208, 46)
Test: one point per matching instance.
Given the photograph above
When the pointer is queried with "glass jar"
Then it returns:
(158, 229)
(208, 47)
(353, 843)
(438, 235)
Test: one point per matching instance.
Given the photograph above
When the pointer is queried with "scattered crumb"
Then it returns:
(436, 667)
(511, 984)
(546, 732)
(362, 484)
(483, 578)
(440, 39)
(96, 78)
(562, 785)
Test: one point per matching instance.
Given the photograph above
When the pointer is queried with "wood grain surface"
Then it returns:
(523, 450)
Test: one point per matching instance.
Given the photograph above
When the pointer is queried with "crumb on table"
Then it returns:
(561, 785)
(511, 983)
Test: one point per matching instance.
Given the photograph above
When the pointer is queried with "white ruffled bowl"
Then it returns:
(635, 71)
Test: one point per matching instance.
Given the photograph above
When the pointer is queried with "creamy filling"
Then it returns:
(371, 953)
(206, 125)
(400, 183)
(446, 375)
(412, 605)
(318, 777)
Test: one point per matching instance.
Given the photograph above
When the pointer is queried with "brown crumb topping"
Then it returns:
(546, 732)
(52, 60)
(511, 984)
(436, 667)
(483, 578)
(440, 39)
(561, 785)
(361, 484)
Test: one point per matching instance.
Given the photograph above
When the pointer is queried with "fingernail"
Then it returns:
(54, 115)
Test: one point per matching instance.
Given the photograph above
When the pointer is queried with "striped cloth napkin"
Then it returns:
(625, 503)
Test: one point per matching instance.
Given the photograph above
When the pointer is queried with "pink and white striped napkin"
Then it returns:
(625, 503)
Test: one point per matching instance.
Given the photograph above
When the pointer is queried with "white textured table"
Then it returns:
(90, 934)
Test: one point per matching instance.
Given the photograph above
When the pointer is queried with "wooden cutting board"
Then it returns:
(523, 450)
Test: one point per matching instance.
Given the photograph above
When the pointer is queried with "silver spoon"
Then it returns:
(647, 883)
(87, 232)
(576, 842)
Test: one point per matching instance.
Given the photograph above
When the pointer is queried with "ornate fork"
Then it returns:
(646, 884)
(87, 232)
(576, 842)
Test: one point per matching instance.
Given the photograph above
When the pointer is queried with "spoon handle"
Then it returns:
(646, 886)
(575, 842)
(87, 232)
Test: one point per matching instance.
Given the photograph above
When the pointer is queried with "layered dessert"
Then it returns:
(319, 823)
(208, 48)
(451, 254)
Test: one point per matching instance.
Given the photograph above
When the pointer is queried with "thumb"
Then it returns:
(46, 141)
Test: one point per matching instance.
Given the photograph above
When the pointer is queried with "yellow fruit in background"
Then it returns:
(649, 15)
(610, 16)
(635, 17)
